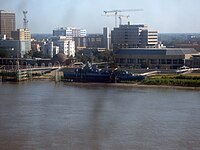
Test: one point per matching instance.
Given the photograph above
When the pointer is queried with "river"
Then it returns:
(44, 115)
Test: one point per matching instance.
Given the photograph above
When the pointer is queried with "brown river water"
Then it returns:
(44, 115)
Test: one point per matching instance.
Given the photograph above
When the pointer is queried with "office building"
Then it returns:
(70, 32)
(163, 58)
(18, 47)
(106, 38)
(80, 43)
(94, 41)
(21, 34)
(67, 47)
(7, 23)
(133, 36)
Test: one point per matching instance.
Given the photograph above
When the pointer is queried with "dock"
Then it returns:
(18, 74)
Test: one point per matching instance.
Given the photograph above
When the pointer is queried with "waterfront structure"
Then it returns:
(164, 58)
(7, 23)
(195, 61)
(133, 36)
(70, 32)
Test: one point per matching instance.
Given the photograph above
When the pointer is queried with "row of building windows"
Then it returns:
(149, 61)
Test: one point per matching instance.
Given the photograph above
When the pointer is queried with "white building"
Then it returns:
(70, 32)
(55, 50)
(67, 47)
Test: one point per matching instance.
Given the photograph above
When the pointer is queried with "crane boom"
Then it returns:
(119, 16)
(122, 16)
(120, 10)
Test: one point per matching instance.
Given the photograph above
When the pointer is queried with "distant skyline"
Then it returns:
(165, 16)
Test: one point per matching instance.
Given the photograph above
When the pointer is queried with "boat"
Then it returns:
(88, 73)
(124, 76)
(91, 73)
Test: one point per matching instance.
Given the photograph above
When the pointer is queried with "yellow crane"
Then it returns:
(115, 12)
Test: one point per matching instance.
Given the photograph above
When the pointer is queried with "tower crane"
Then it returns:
(119, 16)
(122, 16)
(115, 12)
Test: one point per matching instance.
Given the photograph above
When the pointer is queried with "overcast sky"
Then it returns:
(165, 16)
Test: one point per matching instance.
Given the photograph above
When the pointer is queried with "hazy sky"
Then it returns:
(165, 16)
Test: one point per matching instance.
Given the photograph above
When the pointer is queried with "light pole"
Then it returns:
(57, 78)
(10, 62)
(29, 71)
(25, 63)
(17, 65)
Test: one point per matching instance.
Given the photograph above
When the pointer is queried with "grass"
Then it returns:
(173, 80)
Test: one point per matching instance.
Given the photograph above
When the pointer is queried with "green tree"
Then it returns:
(31, 54)
(4, 53)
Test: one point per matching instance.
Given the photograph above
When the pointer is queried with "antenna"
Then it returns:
(25, 19)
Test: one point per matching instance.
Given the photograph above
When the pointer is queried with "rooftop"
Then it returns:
(5, 11)
(156, 51)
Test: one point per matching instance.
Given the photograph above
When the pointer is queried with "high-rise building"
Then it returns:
(106, 38)
(7, 23)
(133, 36)
(21, 34)
(24, 36)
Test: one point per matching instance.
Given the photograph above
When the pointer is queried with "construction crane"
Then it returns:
(122, 16)
(115, 12)
(119, 16)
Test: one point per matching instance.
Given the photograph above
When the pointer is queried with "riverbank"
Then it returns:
(128, 85)
(158, 81)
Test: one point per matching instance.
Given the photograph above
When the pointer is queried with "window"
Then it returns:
(153, 61)
(131, 61)
(169, 61)
(122, 60)
(175, 61)
(162, 61)
(180, 61)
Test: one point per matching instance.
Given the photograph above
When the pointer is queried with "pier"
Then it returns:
(19, 73)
